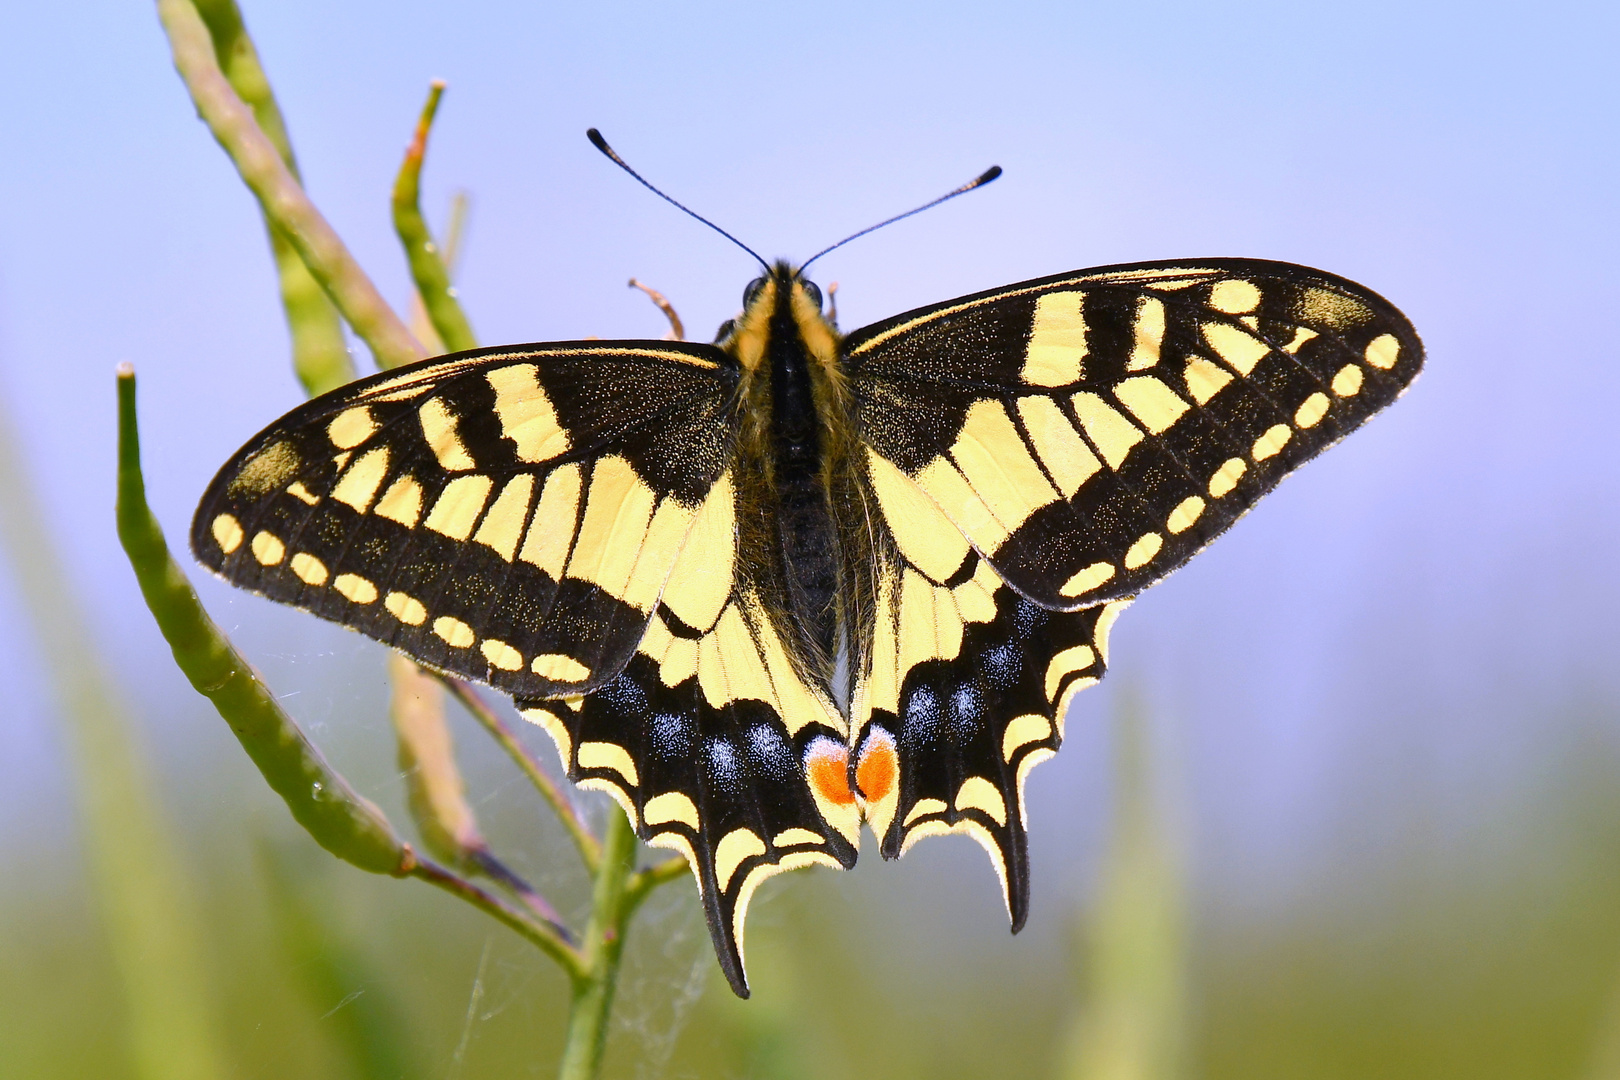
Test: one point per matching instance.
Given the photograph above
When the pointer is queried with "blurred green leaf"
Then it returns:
(1133, 1012)
(352, 999)
(141, 886)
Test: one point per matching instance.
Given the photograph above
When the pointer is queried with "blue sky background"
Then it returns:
(1399, 649)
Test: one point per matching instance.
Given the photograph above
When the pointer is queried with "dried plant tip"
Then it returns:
(676, 330)
(429, 266)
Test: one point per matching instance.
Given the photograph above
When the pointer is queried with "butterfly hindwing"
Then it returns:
(1089, 432)
(965, 690)
(709, 735)
(508, 515)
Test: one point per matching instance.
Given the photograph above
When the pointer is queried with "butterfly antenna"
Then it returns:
(982, 179)
(608, 151)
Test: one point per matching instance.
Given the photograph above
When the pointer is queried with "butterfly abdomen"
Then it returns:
(795, 420)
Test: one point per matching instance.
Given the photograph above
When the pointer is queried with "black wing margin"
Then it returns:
(508, 515)
(1090, 432)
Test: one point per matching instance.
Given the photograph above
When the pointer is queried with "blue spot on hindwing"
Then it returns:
(967, 711)
(673, 736)
(919, 722)
(723, 766)
(624, 697)
(1027, 618)
(770, 754)
(1003, 666)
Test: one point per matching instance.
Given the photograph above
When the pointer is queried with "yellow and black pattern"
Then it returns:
(1088, 433)
(966, 691)
(708, 739)
(510, 516)
(680, 559)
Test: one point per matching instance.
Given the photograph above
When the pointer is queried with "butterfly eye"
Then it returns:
(725, 330)
(752, 292)
(813, 291)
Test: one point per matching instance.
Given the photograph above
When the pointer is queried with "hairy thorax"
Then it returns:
(799, 504)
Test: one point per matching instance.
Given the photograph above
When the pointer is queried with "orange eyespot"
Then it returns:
(826, 766)
(878, 766)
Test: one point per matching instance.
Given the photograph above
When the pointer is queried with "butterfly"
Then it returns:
(770, 589)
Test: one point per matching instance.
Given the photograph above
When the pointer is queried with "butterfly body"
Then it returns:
(769, 590)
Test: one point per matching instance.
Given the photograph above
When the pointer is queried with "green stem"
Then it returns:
(321, 800)
(644, 882)
(590, 850)
(428, 269)
(344, 823)
(543, 935)
(280, 196)
(320, 355)
(612, 904)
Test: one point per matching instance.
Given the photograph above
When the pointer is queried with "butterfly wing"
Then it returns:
(508, 515)
(560, 521)
(1088, 433)
(966, 686)
(1039, 454)
(710, 738)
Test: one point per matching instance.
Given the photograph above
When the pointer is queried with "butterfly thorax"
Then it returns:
(796, 425)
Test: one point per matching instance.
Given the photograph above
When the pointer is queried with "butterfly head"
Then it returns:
(777, 303)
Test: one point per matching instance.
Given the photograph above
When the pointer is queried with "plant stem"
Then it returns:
(320, 354)
(428, 270)
(542, 935)
(344, 823)
(612, 904)
(435, 793)
(644, 882)
(279, 193)
(590, 851)
(675, 328)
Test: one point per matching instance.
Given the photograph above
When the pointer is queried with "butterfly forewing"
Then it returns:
(1088, 433)
(509, 515)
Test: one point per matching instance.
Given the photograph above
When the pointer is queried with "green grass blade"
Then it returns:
(139, 882)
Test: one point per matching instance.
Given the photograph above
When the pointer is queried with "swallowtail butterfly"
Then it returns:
(764, 590)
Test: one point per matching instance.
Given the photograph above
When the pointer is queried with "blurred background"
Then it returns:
(1348, 804)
